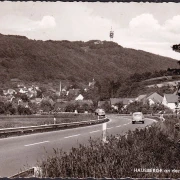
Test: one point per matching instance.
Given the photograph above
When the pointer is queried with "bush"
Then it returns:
(145, 148)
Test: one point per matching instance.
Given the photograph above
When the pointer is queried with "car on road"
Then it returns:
(137, 117)
(100, 112)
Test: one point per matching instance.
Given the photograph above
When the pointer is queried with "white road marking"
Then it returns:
(72, 136)
(119, 126)
(123, 125)
(94, 131)
(110, 128)
(36, 143)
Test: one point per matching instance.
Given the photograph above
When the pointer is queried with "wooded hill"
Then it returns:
(31, 60)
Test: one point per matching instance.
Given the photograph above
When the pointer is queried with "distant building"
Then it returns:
(102, 103)
(36, 100)
(74, 92)
(15, 80)
(170, 100)
(9, 92)
(98, 42)
(91, 84)
(151, 98)
(82, 102)
(21, 103)
(124, 101)
(23, 90)
(154, 98)
(79, 97)
(141, 97)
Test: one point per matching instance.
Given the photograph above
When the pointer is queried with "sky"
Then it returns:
(152, 27)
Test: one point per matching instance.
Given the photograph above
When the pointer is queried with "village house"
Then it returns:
(98, 42)
(102, 103)
(23, 90)
(36, 100)
(91, 84)
(22, 103)
(151, 98)
(79, 97)
(82, 102)
(74, 92)
(170, 101)
(124, 101)
(9, 92)
(141, 97)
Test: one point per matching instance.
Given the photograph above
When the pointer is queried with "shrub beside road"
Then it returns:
(150, 148)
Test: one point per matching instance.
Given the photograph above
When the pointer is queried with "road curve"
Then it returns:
(21, 152)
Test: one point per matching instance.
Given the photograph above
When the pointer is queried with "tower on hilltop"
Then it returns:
(111, 34)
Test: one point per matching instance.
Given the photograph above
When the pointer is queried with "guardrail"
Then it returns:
(32, 129)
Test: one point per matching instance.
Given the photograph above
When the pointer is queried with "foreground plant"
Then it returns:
(145, 148)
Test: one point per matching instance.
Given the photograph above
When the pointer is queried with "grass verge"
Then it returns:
(22, 121)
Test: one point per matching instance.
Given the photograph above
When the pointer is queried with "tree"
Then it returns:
(46, 106)
(178, 63)
(2, 108)
(106, 106)
(9, 108)
(119, 106)
(24, 97)
(70, 108)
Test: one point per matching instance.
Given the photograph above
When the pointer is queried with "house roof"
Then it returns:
(101, 103)
(171, 98)
(141, 97)
(15, 80)
(125, 101)
(115, 100)
(155, 97)
(74, 91)
(81, 102)
(60, 100)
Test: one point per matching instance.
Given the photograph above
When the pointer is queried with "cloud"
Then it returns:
(47, 22)
(23, 24)
(144, 22)
(146, 33)
(173, 25)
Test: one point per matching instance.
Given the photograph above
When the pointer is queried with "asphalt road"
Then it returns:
(21, 152)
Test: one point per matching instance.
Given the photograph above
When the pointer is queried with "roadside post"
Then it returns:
(104, 128)
(54, 120)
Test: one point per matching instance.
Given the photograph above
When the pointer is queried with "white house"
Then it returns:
(23, 90)
(152, 98)
(79, 97)
(170, 100)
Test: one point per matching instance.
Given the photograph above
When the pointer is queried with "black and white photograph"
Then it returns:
(89, 90)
